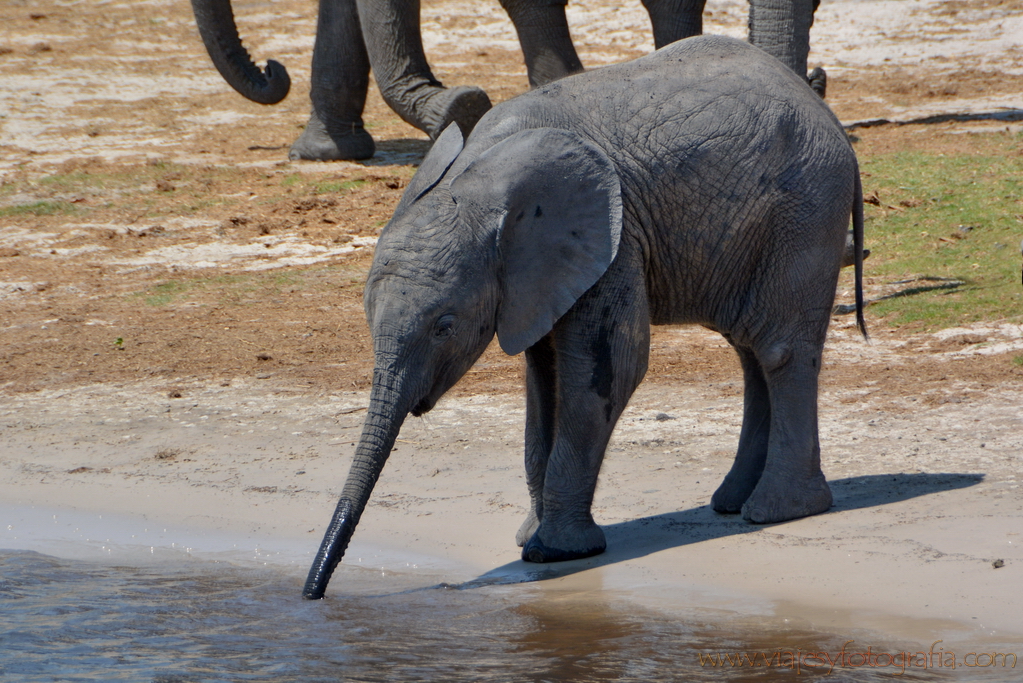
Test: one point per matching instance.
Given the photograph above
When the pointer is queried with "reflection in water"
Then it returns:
(575, 641)
(208, 621)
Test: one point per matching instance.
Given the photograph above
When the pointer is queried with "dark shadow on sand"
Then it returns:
(648, 535)
(399, 152)
(1007, 114)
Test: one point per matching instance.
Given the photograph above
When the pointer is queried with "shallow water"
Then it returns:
(207, 620)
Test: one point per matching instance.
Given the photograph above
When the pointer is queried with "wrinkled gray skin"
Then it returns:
(704, 184)
(352, 35)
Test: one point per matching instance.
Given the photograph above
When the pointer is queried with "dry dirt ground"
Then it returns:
(163, 265)
(167, 217)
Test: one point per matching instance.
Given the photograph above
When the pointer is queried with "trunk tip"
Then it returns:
(332, 549)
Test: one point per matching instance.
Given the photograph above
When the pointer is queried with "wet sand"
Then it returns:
(909, 550)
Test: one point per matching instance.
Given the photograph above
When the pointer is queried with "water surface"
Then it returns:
(210, 620)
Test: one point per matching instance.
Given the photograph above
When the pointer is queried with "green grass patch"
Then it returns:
(107, 177)
(74, 181)
(352, 184)
(335, 186)
(165, 292)
(40, 208)
(947, 216)
(328, 187)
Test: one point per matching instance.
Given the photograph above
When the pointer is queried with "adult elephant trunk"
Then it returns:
(782, 29)
(215, 20)
(387, 410)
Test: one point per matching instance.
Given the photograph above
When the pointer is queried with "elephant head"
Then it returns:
(220, 35)
(502, 242)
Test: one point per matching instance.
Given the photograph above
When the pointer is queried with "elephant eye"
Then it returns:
(444, 328)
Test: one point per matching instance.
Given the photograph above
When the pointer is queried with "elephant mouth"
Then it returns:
(423, 407)
(446, 379)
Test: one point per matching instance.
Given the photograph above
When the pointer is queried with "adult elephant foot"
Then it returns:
(566, 544)
(818, 80)
(779, 499)
(348, 142)
(732, 494)
(464, 105)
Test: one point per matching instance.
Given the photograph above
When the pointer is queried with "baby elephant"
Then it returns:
(705, 183)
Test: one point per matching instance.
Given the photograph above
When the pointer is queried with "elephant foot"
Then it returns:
(574, 546)
(464, 105)
(818, 80)
(779, 500)
(527, 529)
(350, 142)
(731, 495)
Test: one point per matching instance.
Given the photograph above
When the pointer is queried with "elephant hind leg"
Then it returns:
(753, 439)
(792, 484)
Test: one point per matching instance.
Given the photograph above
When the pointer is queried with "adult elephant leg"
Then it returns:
(792, 484)
(782, 29)
(390, 29)
(753, 439)
(545, 39)
(541, 385)
(340, 78)
(602, 346)
(674, 19)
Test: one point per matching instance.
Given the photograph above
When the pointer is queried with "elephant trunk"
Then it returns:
(782, 29)
(220, 35)
(387, 410)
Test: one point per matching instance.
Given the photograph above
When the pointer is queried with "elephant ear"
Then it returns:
(436, 163)
(554, 201)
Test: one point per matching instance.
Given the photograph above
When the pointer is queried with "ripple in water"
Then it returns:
(211, 621)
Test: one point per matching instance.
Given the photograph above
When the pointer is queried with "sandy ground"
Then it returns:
(186, 424)
(927, 498)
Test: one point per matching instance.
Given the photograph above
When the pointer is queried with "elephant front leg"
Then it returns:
(393, 40)
(340, 79)
(541, 384)
(792, 484)
(601, 347)
(753, 439)
(567, 530)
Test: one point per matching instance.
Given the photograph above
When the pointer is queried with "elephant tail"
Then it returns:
(857, 216)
